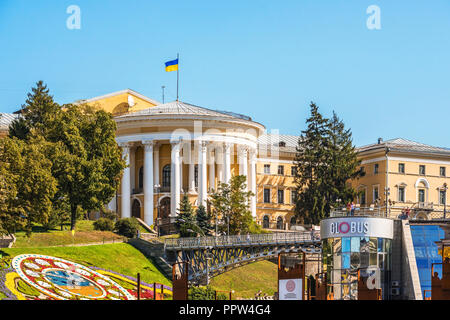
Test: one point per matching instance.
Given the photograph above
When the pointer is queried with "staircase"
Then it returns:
(153, 249)
(146, 226)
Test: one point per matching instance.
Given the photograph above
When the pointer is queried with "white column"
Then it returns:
(175, 179)
(252, 154)
(243, 163)
(212, 171)
(156, 164)
(227, 162)
(132, 168)
(125, 185)
(191, 179)
(219, 161)
(202, 178)
(148, 182)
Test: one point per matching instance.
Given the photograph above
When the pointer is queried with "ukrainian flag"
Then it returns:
(172, 65)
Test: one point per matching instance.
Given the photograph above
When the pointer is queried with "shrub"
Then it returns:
(104, 224)
(205, 293)
(127, 227)
(111, 215)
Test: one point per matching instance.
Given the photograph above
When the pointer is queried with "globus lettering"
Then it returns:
(349, 227)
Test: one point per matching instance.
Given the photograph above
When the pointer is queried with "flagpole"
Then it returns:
(178, 72)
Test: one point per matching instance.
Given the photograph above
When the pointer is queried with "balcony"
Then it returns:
(371, 211)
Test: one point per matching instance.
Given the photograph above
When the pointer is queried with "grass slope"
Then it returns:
(248, 280)
(121, 257)
(84, 233)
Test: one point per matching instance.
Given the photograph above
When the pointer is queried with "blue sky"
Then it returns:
(266, 59)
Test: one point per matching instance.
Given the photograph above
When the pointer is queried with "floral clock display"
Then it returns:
(65, 280)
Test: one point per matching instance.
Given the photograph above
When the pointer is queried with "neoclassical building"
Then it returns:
(177, 149)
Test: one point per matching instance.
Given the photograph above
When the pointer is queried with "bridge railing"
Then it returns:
(240, 240)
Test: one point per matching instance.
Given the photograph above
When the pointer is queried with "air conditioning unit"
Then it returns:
(395, 291)
(395, 283)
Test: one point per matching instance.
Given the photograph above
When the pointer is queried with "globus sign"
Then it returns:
(357, 227)
(349, 227)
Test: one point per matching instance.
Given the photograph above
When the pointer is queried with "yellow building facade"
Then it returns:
(177, 149)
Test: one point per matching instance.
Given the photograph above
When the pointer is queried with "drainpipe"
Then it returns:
(387, 181)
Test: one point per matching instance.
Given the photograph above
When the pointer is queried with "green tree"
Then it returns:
(26, 166)
(231, 204)
(85, 158)
(325, 161)
(38, 112)
(185, 220)
(204, 220)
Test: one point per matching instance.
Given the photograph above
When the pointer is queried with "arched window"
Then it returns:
(293, 221)
(141, 177)
(266, 222)
(166, 176)
(280, 223)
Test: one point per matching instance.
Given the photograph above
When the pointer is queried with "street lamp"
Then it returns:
(445, 198)
(157, 188)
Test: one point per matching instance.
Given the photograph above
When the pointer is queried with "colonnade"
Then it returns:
(215, 155)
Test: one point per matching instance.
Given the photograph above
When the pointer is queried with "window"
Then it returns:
(266, 222)
(141, 177)
(293, 170)
(442, 171)
(363, 170)
(293, 221)
(363, 197)
(292, 196)
(281, 196)
(267, 168)
(422, 195)
(401, 168)
(375, 194)
(401, 194)
(442, 197)
(280, 223)
(196, 175)
(422, 169)
(266, 195)
(281, 170)
(166, 176)
(375, 168)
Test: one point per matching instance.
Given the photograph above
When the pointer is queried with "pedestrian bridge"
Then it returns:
(207, 257)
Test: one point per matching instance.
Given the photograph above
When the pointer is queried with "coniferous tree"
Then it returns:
(204, 220)
(325, 162)
(185, 219)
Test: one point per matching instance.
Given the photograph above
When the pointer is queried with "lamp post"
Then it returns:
(445, 200)
(157, 188)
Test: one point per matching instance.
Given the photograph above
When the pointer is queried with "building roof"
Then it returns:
(183, 108)
(405, 145)
(6, 119)
(280, 142)
(129, 91)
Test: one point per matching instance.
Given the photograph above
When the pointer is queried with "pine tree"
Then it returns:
(185, 218)
(326, 160)
(204, 220)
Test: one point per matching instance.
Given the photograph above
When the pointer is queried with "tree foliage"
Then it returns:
(325, 162)
(204, 220)
(84, 157)
(230, 203)
(185, 220)
(30, 187)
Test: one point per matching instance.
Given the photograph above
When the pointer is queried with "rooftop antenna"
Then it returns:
(163, 87)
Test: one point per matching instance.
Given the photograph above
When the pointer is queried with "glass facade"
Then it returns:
(343, 257)
(426, 251)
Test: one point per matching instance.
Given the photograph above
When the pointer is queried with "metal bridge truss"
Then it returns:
(210, 256)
